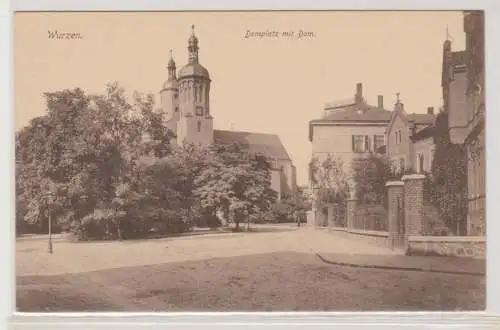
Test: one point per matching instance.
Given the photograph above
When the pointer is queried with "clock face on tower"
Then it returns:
(199, 111)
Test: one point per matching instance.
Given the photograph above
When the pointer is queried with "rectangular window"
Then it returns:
(421, 164)
(358, 143)
(401, 164)
(399, 137)
(378, 141)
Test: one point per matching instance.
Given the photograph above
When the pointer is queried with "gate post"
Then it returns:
(395, 194)
(413, 205)
(351, 209)
(331, 216)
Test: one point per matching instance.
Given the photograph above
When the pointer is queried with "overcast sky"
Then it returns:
(268, 84)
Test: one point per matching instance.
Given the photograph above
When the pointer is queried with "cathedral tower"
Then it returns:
(169, 96)
(195, 124)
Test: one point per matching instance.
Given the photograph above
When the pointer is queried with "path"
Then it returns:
(32, 257)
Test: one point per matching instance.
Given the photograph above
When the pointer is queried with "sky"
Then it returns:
(260, 83)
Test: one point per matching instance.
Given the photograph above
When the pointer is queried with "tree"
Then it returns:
(91, 148)
(370, 174)
(330, 178)
(236, 183)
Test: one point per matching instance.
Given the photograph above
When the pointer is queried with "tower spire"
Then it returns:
(193, 47)
(171, 67)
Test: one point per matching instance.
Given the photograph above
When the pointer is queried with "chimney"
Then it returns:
(381, 101)
(359, 93)
(430, 110)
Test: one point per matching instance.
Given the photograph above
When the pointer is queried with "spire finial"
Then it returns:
(397, 97)
(192, 28)
(170, 51)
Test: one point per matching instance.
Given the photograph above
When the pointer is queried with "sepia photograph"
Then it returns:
(258, 161)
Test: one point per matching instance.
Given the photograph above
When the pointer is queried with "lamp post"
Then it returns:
(51, 194)
(50, 228)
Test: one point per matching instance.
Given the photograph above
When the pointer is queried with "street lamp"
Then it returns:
(51, 196)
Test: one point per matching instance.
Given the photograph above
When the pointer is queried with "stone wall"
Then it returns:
(455, 246)
(378, 238)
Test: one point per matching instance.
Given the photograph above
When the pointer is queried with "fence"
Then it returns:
(370, 217)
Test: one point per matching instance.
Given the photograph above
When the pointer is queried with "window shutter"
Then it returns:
(367, 143)
(353, 144)
(375, 146)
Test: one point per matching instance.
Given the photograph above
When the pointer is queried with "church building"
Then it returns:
(185, 103)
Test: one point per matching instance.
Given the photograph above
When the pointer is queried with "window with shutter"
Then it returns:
(378, 141)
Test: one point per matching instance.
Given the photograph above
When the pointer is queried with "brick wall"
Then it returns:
(395, 195)
(459, 246)
(414, 202)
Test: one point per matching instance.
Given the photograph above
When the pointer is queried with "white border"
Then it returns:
(241, 320)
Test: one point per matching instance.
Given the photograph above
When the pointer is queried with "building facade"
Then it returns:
(475, 107)
(349, 129)
(185, 105)
(464, 103)
(410, 140)
(469, 122)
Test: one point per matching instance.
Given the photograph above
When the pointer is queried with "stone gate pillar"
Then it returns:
(414, 204)
(395, 195)
(331, 216)
(351, 209)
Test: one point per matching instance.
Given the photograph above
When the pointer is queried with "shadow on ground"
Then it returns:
(265, 282)
(198, 232)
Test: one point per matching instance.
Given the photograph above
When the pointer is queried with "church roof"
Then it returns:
(268, 144)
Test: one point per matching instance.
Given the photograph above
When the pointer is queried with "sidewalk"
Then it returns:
(449, 265)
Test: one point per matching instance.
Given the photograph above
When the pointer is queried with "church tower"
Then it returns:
(195, 124)
(169, 97)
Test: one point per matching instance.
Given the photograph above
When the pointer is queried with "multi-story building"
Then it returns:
(349, 129)
(463, 95)
(475, 140)
(410, 139)
(466, 112)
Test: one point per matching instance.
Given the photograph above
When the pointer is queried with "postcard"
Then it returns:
(260, 161)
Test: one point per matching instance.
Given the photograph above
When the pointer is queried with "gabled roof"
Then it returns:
(424, 133)
(268, 144)
(340, 103)
(356, 113)
(421, 118)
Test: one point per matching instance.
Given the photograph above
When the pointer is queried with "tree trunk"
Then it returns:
(119, 230)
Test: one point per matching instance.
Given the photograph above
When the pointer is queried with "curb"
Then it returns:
(414, 269)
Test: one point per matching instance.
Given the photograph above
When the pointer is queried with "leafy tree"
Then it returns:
(330, 178)
(236, 183)
(370, 174)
